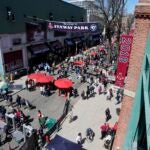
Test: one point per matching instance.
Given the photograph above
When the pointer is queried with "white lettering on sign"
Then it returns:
(123, 59)
(82, 28)
(126, 40)
(86, 28)
(125, 47)
(124, 53)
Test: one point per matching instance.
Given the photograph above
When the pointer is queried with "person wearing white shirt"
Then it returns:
(41, 90)
(79, 138)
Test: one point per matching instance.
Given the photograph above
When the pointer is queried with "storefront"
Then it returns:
(72, 44)
(13, 60)
(37, 54)
(69, 46)
(56, 47)
(96, 39)
(79, 43)
(57, 51)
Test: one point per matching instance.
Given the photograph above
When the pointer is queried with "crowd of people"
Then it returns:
(94, 71)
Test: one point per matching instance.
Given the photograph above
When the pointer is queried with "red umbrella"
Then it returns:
(78, 63)
(63, 83)
(45, 79)
(35, 76)
(93, 53)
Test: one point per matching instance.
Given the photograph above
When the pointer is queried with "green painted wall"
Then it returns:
(40, 8)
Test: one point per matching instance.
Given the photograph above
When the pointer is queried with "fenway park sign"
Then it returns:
(73, 26)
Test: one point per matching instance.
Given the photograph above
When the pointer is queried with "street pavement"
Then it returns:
(51, 106)
(90, 114)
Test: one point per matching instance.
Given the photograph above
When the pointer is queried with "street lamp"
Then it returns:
(88, 15)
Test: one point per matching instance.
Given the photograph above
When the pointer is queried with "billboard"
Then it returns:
(35, 32)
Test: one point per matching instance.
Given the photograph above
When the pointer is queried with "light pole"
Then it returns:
(1, 65)
(88, 15)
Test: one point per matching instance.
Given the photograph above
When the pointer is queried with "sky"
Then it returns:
(129, 6)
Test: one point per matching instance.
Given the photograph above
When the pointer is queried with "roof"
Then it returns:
(60, 10)
(60, 142)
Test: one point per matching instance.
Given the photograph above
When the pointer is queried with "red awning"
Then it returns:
(45, 79)
(63, 83)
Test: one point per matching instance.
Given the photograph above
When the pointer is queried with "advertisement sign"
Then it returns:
(73, 26)
(123, 59)
(35, 32)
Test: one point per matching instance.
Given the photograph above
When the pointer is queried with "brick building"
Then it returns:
(134, 126)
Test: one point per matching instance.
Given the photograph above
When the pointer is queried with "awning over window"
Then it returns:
(40, 48)
(55, 45)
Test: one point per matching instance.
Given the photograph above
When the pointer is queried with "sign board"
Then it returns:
(73, 26)
(123, 59)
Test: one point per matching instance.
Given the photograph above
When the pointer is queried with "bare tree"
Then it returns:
(130, 20)
(112, 11)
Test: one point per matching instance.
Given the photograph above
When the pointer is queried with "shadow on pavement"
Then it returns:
(118, 111)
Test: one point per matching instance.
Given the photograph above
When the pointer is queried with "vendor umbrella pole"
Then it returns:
(59, 92)
(66, 93)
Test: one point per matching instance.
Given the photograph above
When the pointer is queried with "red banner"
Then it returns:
(123, 59)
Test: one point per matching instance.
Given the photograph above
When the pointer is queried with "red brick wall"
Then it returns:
(142, 25)
(144, 1)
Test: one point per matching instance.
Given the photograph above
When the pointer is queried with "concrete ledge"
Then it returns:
(129, 93)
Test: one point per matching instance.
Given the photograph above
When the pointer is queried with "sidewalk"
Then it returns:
(91, 114)
(21, 82)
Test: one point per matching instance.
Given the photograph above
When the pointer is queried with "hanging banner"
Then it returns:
(73, 26)
(123, 59)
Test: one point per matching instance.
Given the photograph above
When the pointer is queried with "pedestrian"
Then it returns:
(83, 94)
(10, 99)
(41, 133)
(90, 134)
(87, 93)
(100, 90)
(70, 114)
(18, 101)
(104, 128)
(47, 139)
(108, 115)
(41, 90)
(119, 98)
(39, 114)
(26, 83)
(114, 129)
(79, 138)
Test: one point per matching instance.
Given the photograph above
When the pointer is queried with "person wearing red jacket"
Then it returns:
(114, 129)
(104, 128)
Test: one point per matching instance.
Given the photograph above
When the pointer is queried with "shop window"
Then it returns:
(58, 33)
(13, 60)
